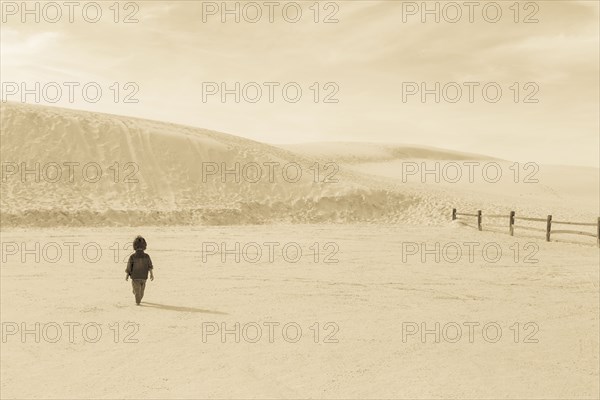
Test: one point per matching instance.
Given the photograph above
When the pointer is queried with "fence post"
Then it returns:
(548, 227)
(598, 233)
(511, 223)
(453, 214)
(479, 219)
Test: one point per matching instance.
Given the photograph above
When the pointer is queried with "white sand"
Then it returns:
(368, 294)
(174, 185)
(369, 218)
(172, 188)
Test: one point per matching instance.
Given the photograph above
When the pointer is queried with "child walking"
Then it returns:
(138, 266)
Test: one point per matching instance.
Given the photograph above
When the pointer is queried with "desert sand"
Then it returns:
(517, 317)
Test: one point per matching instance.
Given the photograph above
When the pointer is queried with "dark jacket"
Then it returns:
(138, 265)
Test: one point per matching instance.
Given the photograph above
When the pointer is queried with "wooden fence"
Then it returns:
(548, 220)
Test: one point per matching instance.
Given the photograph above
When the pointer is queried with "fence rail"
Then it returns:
(573, 223)
(531, 219)
(548, 220)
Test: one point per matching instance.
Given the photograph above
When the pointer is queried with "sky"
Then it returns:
(361, 67)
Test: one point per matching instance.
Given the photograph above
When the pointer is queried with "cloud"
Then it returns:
(369, 53)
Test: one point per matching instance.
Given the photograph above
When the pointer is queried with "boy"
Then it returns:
(138, 266)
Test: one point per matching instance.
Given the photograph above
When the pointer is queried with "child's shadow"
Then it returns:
(178, 308)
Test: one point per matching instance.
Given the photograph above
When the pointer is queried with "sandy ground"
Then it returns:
(358, 288)
(367, 306)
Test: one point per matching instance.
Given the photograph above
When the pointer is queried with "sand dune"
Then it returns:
(528, 188)
(357, 152)
(72, 168)
(154, 173)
